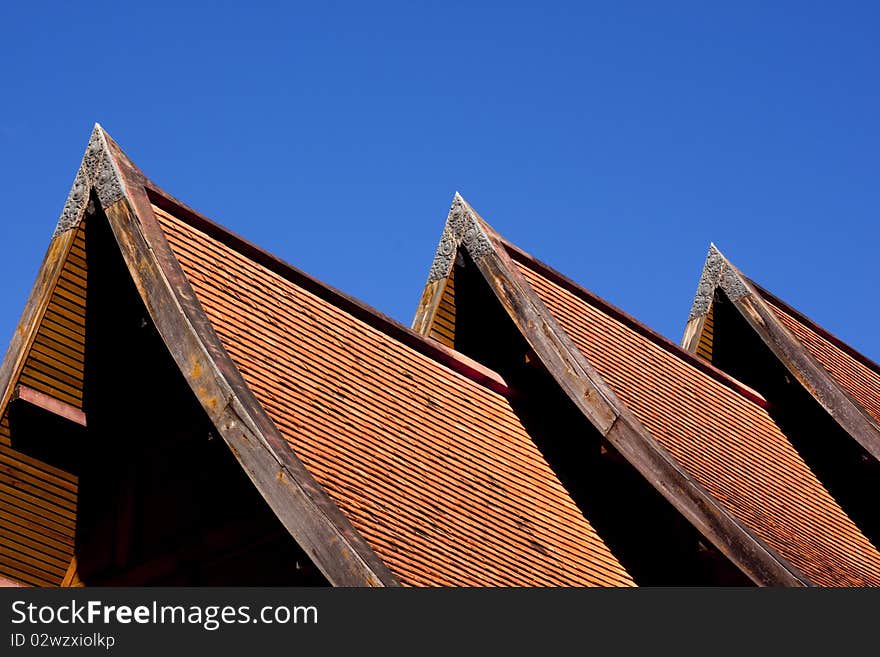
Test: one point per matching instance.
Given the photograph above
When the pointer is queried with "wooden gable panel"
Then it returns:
(707, 336)
(442, 326)
(55, 363)
(38, 501)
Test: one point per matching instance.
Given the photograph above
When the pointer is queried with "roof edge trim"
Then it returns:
(33, 312)
(825, 333)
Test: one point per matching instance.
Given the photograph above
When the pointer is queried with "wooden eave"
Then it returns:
(749, 300)
(108, 177)
(581, 382)
(48, 404)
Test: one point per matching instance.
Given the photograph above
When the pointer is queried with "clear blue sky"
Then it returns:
(612, 140)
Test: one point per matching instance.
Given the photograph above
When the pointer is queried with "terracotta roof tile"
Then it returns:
(727, 441)
(857, 375)
(432, 468)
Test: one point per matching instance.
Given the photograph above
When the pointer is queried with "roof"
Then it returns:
(388, 457)
(724, 438)
(434, 469)
(857, 374)
(392, 458)
(843, 381)
(715, 428)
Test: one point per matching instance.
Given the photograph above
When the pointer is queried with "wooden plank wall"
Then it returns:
(704, 347)
(443, 324)
(38, 500)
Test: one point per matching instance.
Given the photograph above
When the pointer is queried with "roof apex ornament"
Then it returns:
(462, 228)
(717, 273)
(97, 171)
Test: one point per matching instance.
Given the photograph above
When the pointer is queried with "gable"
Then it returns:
(111, 470)
(108, 538)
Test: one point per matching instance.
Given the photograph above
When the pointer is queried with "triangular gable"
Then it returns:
(798, 344)
(466, 231)
(108, 177)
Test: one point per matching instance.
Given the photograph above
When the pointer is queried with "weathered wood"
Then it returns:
(54, 556)
(302, 505)
(42, 534)
(29, 508)
(586, 388)
(431, 297)
(693, 331)
(30, 520)
(49, 404)
(719, 274)
(848, 413)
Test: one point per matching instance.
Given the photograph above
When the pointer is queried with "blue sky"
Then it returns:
(612, 140)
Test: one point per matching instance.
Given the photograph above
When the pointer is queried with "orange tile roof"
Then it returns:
(856, 374)
(715, 429)
(431, 467)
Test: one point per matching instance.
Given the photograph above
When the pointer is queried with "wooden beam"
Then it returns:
(71, 575)
(848, 413)
(610, 416)
(432, 295)
(49, 404)
(302, 505)
(693, 331)
(720, 274)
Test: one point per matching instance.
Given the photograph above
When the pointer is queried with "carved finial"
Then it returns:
(462, 229)
(717, 273)
(709, 280)
(97, 172)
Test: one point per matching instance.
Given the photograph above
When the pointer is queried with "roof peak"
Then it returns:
(97, 171)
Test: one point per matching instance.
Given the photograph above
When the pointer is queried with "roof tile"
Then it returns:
(859, 377)
(728, 443)
(432, 468)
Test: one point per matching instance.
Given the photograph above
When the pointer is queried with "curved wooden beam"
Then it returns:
(586, 388)
(302, 505)
(720, 274)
